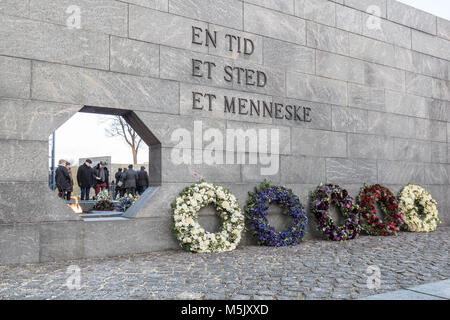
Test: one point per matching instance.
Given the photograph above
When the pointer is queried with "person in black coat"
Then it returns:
(118, 177)
(122, 178)
(70, 190)
(143, 181)
(101, 177)
(86, 179)
(62, 179)
(130, 178)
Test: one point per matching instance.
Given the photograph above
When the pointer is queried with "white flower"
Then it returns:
(194, 237)
(197, 196)
(221, 195)
(407, 206)
(226, 205)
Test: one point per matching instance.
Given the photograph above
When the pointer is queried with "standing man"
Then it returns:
(62, 179)
(142, 180)
(85, 178)
(130, 179)
(122, 178)
(70, 190)
(102, 177)
(119, 183)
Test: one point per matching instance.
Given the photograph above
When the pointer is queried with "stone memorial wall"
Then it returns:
(354, 92)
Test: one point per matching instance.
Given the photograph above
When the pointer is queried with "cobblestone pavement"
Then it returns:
(315, 269)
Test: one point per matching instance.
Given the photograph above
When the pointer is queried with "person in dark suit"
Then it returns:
(101, 177)
(70, 190)
(122, 178)
(62, 179)
(143, 181)
(86, 179)
(130, 178)
(119, 183)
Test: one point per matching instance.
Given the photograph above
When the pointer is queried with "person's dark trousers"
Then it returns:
(122, 192)
(116, 192)
(142, 190)
(67, 195)
(85, 193)
(131, 191)
(100, 187)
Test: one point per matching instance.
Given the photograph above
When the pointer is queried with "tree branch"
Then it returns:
(119, 127)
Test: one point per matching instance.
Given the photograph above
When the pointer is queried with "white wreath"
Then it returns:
(409, 200)
(192, 236)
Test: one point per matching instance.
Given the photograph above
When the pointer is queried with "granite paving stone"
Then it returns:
(315, 269)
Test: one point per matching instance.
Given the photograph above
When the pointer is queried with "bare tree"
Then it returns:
(118, 127)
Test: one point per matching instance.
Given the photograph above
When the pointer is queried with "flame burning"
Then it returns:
(75, 206)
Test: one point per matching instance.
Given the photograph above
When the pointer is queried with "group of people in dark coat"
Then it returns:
(130, 181)
(64, 179)
(92, 177)
(127, 181)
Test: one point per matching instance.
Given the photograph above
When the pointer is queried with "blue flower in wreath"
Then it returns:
(257, 210)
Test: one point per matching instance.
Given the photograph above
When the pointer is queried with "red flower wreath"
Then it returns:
(374, 226)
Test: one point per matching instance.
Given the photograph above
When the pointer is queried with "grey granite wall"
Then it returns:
(378, 90)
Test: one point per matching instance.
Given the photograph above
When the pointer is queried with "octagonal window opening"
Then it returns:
(103, 163)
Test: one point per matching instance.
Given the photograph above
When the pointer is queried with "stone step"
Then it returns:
(97, 214)
(103, 219)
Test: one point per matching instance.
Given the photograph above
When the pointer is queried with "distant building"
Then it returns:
(96, 160)
(112, 167)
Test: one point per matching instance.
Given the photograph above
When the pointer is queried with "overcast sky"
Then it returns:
(84, 134)
(440, 8)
